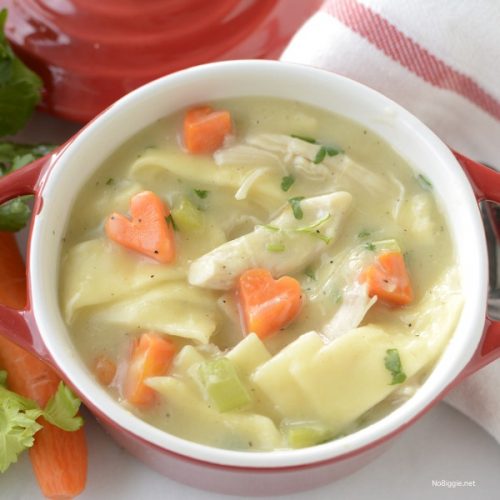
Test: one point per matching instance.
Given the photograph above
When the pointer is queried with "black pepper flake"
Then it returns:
(152, 276)
(156, 251)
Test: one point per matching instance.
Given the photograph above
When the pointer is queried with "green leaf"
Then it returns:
(392, 362)
(297, 209)
(14, 156)
(201, 193)
(14, 214)
(62, 409)
(18, 425)
(20, 88)
(304, 138)
(320, 155)
(424, 182)
(287, 182)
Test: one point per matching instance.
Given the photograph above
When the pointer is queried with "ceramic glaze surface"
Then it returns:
(89, 53)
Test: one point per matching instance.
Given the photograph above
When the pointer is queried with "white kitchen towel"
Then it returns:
(440, 60)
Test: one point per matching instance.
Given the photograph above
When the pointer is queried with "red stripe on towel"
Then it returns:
(402, 49)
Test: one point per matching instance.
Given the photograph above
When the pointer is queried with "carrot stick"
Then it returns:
(266, 304)
(151, 356)
(388, 279)
(149, 232)
(205, 129)
(59, 458)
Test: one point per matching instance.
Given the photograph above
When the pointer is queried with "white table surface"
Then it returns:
(443, 445)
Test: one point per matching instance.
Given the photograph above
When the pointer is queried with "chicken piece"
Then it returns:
(285, 246)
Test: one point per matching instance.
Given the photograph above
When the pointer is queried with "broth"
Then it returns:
(327, 372)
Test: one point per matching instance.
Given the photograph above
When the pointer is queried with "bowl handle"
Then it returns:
(19, 325)
(486, 184)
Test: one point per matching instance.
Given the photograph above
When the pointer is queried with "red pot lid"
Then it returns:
(91, 52)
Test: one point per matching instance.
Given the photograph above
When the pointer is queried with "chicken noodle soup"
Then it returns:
(258, 274)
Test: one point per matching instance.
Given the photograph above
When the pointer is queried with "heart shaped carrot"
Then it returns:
(148, 232)
(267, 305)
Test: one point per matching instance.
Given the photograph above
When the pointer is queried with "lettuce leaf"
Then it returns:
(20, 88)
(18, 419)
(62, 409)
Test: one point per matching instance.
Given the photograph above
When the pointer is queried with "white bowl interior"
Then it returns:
(408, 136)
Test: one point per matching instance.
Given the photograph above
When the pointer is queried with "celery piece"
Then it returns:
(385, 246)
(222, 384)
(187, 217)
(304, 434)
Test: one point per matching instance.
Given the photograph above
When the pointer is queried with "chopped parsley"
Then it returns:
(201, 193)
(296, 208)
(171, 222)
(287, 182)
(110, 181)
(320, 155)
(310, 273)
(363, 234)
(304, 138)
(275, 247)
(331, 151)
(392, 362)
(313, 230)
(370, 246)
(323, 151)
(424, 182)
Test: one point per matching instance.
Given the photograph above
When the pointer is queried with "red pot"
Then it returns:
(459, 185)
(92, 52)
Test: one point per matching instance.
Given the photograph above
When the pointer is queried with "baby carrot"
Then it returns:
(205, 129)
(59, 458)
(267, 304)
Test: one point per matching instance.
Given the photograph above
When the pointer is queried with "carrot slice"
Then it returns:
(205, 129)
(59, 458)
(267, 305)
(149, 231)
(388, 279)
(151, 356)
(104, 369)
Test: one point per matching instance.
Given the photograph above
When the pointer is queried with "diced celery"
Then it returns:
(386, 246)
(222, 384)
(186, 216)
(304, 434)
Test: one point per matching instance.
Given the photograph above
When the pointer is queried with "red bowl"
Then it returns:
(89, 53)
(458, 183)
